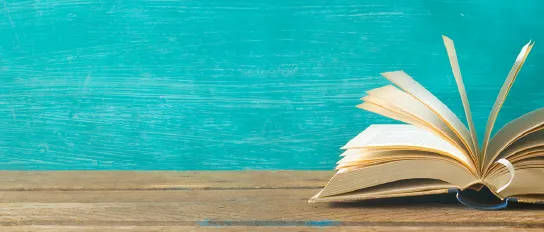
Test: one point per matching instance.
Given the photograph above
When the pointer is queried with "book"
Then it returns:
(432, 151)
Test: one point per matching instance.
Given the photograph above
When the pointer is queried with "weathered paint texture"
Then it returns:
(140, 84)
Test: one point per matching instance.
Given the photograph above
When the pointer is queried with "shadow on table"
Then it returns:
(436, 201)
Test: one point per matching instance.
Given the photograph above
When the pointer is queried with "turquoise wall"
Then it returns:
(143, 84)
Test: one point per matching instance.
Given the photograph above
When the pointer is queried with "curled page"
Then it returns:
(512, 171)
(503, 92)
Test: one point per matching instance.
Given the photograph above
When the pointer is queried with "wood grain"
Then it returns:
(252, 228)
(230, 201)
(113, 180)
(241, 207)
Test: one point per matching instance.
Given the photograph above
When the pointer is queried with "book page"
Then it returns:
(518, 160)
(527, 147)
(527, 181)
(503, 92)
(530, 198)
(532, 140)
(511, 132)
(386, 155)
(362, 154)
(406, 136)
(413, 107)
(452, 55)
(394, 189)
(380, 107)
(362, 178)
(528, 153)
(406, 83)
(349, 152)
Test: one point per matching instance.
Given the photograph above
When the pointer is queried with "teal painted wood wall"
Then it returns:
(141, 84)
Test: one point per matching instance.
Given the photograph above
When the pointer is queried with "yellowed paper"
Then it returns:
(504, 92)
(452, 55)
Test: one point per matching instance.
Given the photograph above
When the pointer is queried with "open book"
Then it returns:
(434, 152)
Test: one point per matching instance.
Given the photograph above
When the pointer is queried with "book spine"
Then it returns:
(473, 201)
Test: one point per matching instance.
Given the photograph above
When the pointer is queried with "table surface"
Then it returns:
(227, 201)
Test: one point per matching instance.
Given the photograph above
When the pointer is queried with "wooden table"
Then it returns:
(226, 201)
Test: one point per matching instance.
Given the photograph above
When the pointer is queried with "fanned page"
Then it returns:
(435, 151)
(390, 136)
(452, 55)
(512, 132)
(408, 84)
(397, 100)
(371, 107)
(522, 147)
(503, 92)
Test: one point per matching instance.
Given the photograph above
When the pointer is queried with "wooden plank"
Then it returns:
(258, 207)
(112, 180)
(250, 228)
(232, 201)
